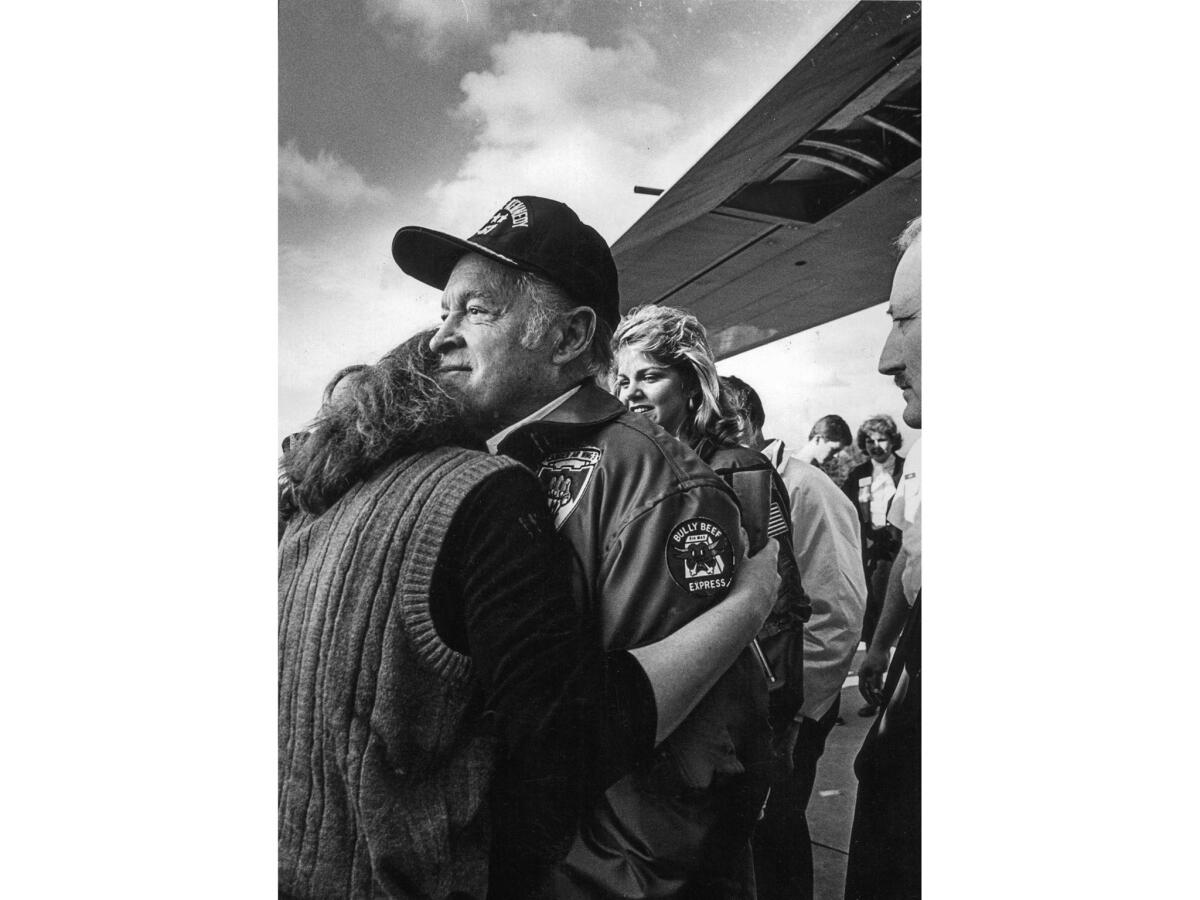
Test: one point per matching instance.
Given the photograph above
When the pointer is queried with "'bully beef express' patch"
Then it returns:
(700, 557)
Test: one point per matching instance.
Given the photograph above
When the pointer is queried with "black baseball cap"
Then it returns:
(532, 234)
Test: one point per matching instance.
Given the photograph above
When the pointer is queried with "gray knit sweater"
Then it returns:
(384, 764)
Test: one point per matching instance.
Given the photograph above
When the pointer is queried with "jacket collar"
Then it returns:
(587, 408)
(590, 405)
(498, 438)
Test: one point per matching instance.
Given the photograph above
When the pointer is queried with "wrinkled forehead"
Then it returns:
(905, 298)
(477, 277)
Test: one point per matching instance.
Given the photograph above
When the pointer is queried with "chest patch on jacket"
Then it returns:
(700, 557)
(565, 476)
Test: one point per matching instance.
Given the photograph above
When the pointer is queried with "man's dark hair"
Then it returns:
(832, 428)
(747, 400)
(371, 416)
(879, 424)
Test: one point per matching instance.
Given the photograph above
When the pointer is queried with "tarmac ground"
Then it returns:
(831, 808)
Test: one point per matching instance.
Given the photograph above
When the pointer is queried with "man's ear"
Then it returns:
(576, 329)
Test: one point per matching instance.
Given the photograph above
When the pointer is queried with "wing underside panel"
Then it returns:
(787, 222)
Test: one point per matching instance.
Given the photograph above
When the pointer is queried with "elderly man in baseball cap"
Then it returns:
(532, 275)
(529, 303)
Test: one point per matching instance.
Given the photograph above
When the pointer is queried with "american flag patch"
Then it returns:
(777, 522)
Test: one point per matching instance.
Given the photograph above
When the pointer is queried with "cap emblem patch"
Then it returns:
(514, 209)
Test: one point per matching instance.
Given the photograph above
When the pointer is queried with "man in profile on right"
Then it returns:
(885, 843)
(825, 532)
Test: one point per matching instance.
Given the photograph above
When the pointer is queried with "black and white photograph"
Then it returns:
(474, 449)
(600, 406)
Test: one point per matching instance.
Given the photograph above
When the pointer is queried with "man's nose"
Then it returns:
(443, 338)
(889, 358)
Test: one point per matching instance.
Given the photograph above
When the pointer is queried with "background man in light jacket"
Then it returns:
(828, 551)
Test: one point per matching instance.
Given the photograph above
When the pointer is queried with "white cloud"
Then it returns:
(559, 118)
(440, 23)
(341, 301)
(324, 180)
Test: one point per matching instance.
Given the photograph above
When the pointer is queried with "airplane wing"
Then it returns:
(787, 222)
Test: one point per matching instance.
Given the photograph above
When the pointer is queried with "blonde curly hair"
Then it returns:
(672, 337)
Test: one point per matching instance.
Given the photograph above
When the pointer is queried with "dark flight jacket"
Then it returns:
(656, 538)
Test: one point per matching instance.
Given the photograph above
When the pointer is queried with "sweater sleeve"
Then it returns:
(570, 719)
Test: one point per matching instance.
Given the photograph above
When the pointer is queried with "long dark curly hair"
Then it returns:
(369, 417)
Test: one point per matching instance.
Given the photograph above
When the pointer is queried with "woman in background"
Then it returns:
(665, 370)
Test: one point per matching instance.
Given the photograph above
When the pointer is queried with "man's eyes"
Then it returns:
(471, 309)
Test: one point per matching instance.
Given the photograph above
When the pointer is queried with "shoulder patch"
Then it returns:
(700, 557)
(565, 476)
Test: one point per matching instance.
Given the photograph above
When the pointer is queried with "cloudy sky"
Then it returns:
(434, 112)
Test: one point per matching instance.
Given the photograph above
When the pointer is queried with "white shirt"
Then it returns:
(536, 416)
(906, 515)
(826, 538)
(882, 489)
